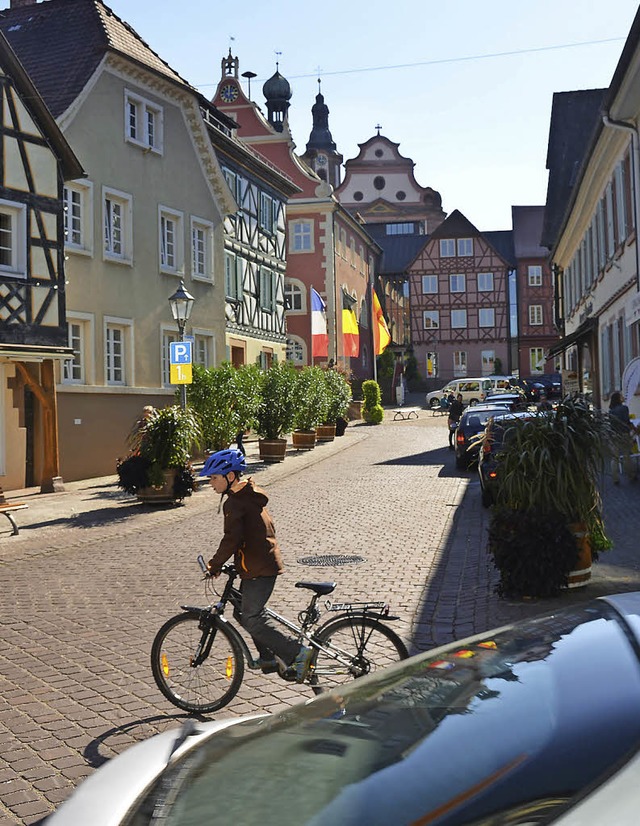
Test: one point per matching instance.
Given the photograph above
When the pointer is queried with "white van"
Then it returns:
(472, 390)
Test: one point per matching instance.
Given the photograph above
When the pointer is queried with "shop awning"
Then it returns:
(33, 352)
(584, 330)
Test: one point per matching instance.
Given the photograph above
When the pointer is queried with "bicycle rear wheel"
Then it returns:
(355, 646)
(186, 674)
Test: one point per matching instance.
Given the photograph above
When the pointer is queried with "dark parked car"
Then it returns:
(514, 400)
(552, 382)
(538, 722)
(532, 389)
(496, 431)
(473, 421)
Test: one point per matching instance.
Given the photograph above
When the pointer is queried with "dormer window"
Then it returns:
(143, 122)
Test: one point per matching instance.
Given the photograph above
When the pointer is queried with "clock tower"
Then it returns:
(321, 153)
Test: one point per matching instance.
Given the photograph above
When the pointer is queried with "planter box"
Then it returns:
(304, 439)
(325, 432)
(160, 495)
(272, 450)
(354, 410)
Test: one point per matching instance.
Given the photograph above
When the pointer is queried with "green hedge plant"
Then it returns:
(339, 395)
(372, 410)
(311, 399)
(276, 410)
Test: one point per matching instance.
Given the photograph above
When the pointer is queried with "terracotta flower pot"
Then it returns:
(581, 574)
(325, 432)
(304, 439)
(272, 450)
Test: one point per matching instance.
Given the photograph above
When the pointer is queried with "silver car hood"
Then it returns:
(105, 797)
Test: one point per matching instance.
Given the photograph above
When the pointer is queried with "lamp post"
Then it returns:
(181, 303)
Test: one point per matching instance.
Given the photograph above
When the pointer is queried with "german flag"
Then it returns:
(350, 331)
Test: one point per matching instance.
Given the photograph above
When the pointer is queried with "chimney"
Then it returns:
(18, 4)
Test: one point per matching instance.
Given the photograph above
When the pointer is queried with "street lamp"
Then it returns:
(181, 303)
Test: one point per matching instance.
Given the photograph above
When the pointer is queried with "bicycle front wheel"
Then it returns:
(196, 663)
(355, 646)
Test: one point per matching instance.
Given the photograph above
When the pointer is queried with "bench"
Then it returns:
(7, 508)
(404, 413)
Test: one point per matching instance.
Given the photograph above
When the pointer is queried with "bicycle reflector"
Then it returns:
(165, 665)
(228, 672)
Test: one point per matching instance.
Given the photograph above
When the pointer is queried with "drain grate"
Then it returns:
(327, 560)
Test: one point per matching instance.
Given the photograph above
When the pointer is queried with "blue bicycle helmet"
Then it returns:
(223, 462)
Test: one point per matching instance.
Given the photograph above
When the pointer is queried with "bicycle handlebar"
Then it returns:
(227, 568)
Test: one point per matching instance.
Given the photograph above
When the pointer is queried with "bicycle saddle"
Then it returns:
(321, 588)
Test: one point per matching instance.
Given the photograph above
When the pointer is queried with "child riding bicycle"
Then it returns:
(250, 537)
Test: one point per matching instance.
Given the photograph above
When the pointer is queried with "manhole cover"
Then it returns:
(330, 559)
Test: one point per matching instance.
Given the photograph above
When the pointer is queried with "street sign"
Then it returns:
(180, 373)
(180, 352)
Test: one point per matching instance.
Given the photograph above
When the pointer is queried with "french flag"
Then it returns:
(319, 336)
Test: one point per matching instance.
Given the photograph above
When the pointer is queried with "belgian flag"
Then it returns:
(350, 331)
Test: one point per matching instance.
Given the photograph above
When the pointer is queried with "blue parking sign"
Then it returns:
(180, 352)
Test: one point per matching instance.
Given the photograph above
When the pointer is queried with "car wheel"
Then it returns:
(434, 403)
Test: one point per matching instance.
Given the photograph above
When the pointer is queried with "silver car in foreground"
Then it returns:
(538, 722)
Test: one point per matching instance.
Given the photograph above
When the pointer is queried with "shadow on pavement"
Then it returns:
(99, 516)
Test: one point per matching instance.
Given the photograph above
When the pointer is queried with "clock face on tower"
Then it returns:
(229, 93)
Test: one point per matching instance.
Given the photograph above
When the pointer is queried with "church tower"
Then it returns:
(321, 153)
(277, 93)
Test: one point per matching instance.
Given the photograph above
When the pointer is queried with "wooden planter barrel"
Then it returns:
(303, 439)
(325, 432)
(272, 450)
(162, 495)
(581, 575)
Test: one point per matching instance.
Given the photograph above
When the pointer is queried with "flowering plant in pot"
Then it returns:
(547, 499)
(160, 457)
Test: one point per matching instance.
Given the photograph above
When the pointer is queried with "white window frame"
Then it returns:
(465, 247)
(432, 316)
(447, 248)
(171, 240)
(487, 361)
(143, 122)
(78, 239)
(457, 318)
(124, 201)
(268, 218)
(486, 317)
(429, 281)
(267, 297)
(459, 363)
(485, 282)
(296, 350)
(457, 283)
(534, 363)
(17, 213)
(295, 296)
(85, 353)
(232, 276)
(301, 238)
(201, 234)
(534, 275)
(168, 334)
(204, 344)
(125, 326)
(535, 315)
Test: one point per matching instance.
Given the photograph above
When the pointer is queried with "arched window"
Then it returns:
(295, 296)
(296, 351)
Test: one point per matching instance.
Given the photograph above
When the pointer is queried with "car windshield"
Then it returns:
(519, 721)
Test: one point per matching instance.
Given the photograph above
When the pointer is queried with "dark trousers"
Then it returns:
(268, 638)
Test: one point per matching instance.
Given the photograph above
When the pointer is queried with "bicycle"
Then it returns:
(198, 657)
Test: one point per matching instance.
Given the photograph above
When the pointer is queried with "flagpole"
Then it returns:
(373, 331)
(311, 325)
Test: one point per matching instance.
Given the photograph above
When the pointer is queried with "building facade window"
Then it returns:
(232, 276)
(74, 368)
(301, 236)
(296, 351)
(168, 337)
(117, 337)
(203, 346)
(457, 283)
(143, 122)
(534, 273)
(431, 319)
(170, 234)
(458, 318)
(117, 226)
(447, 247)
(13, 239)
(429, 284)
(201, 249)
(407, 228)
(267, 289)
(488, 358)
(465, 247)
(487, 317)
(535, 314)
(294, 297)
(78, 217)
(485, 282)
(536, 359)
(268, 213)
(460, 363)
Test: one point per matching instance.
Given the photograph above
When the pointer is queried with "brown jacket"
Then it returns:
(249, 535)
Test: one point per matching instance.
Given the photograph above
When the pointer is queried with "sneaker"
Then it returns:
(302, 663)
(267, 666)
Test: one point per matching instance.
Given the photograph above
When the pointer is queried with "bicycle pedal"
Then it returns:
(288, 674)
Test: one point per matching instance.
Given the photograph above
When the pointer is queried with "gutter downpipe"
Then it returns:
(625, 126)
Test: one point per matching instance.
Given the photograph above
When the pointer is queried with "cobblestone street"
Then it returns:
(92, 576)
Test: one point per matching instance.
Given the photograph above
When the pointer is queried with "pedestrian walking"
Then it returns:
(456, 409)
(620, 414)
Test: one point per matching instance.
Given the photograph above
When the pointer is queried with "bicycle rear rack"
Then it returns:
(382, 608)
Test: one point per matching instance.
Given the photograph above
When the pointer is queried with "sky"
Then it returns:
(465, 88)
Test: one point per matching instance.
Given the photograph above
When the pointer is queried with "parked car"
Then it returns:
(473, 390)
(515, 400)
(496, 431)
(537, 722)
(532, 389)
(552, 382)
(473, 421)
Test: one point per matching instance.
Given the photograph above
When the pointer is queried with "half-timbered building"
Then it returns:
(459, 303)
(36, 160)
(149, 214)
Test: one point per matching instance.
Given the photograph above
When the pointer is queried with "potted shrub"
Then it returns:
(158, 469)
(275, 412)
(339, 396)
(546, 523)
(372, 411)
(311, 402)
